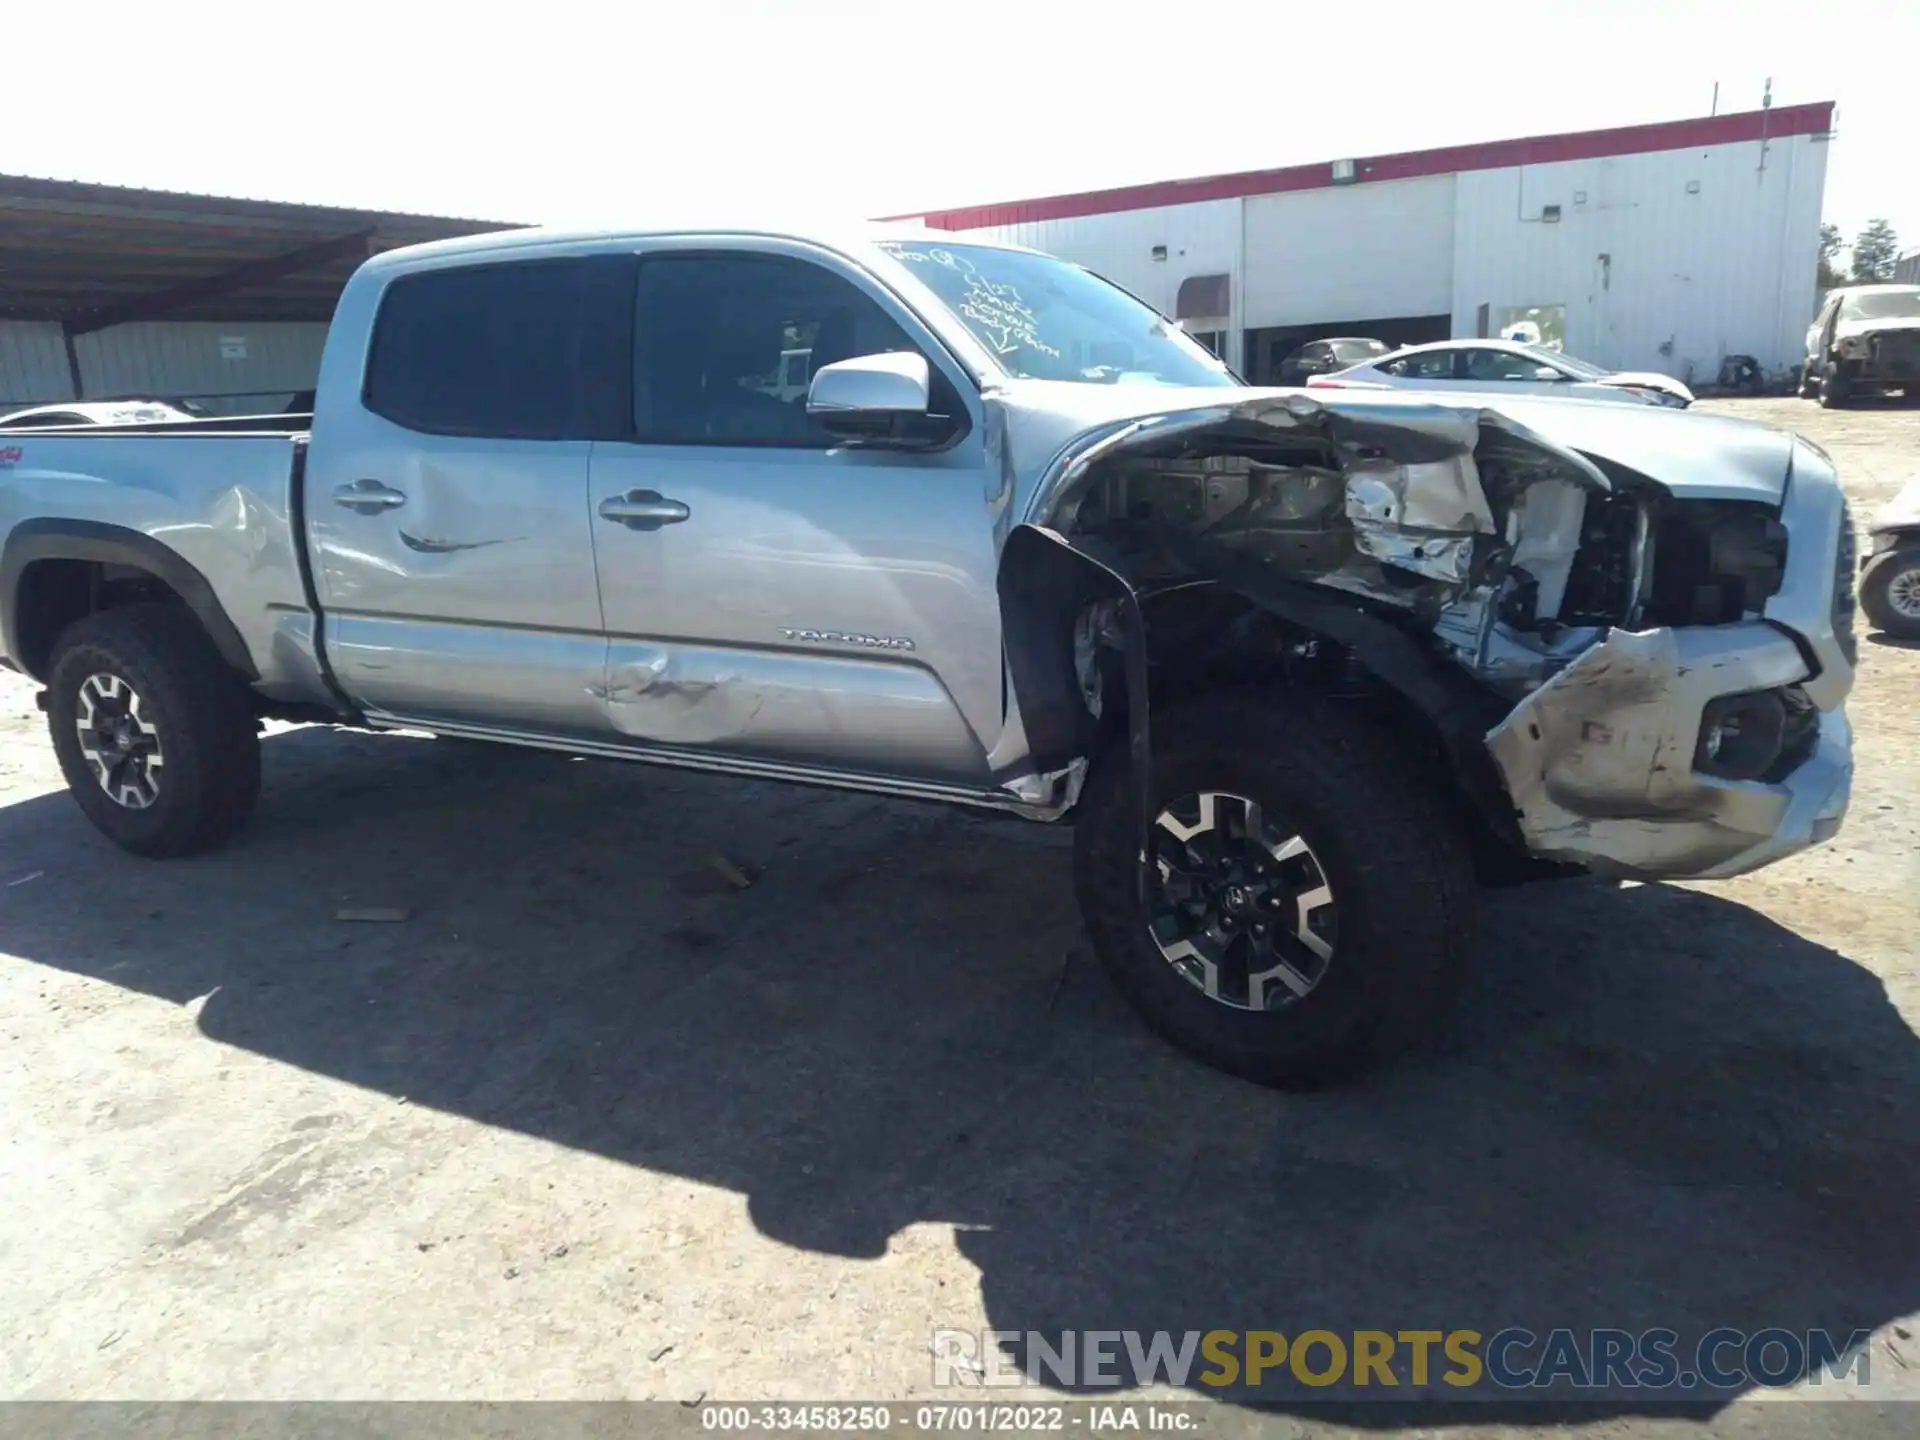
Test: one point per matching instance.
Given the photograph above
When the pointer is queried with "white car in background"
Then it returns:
(95, 412)
(1507, 367)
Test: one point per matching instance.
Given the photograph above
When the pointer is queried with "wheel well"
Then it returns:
(54, 571)
(1208, 637)
(52, 594)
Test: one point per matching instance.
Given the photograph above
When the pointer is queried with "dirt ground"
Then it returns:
(593, 1122)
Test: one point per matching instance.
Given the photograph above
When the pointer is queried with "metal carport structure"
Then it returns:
(90, 274)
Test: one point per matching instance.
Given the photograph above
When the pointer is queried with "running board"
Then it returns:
(727, 765)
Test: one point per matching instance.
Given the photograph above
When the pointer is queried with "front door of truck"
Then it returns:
(772, 599)
(447, 499)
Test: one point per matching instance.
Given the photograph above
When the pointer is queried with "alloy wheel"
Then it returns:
(1238, 905)
(1903, 593)
(119, 743)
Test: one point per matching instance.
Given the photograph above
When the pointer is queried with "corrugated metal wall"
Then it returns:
(201, 359)
(33, 365)
(1667, 261)
(249, 362)
(1355, 252)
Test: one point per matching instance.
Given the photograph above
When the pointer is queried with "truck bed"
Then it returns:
(219, 497)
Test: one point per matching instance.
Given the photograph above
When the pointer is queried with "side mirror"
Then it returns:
(879, 401)
(1547, 372)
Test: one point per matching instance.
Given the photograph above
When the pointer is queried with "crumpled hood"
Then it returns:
(1692, 455)
(1854, 329)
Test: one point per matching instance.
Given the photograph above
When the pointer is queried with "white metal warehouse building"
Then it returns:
(1655, 247)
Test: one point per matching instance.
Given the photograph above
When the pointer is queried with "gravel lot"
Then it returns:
(595, 1123)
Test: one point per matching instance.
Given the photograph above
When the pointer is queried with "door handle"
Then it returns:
(368, 497)
(643, 510)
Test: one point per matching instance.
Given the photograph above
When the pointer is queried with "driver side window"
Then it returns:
(724, 347)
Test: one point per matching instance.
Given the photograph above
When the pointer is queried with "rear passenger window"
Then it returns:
(1432, 365)
(725, 347)
(492, 350)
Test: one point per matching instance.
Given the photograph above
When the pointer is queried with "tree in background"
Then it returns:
(1830, 247)
(1876, 250)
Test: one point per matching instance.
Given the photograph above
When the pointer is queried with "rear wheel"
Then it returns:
(1890, 592)
(156, 736)
(1306, 903)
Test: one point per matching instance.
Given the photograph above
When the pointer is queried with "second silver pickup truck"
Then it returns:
(1299, 668)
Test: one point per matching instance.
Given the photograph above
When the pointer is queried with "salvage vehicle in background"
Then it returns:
(1890, 579)
(1293, 663)
(1323, 357)
(1505, 366)
(1866, 339)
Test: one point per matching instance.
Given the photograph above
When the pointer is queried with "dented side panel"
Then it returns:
(872, 716)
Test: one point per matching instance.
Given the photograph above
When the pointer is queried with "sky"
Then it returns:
(706, 111)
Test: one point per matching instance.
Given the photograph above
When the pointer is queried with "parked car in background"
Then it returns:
(1890, 580)
(95, 412)
(1508, 365)
(1866, 338)
(1323, 357)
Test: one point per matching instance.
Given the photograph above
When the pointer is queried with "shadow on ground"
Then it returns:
(1657, 1108)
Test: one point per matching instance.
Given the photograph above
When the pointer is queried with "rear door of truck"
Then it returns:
(447, 495)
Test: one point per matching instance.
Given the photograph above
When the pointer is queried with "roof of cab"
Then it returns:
(841, 237)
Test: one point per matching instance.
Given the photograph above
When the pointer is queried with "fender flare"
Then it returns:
(90, 540)
(1045, 581)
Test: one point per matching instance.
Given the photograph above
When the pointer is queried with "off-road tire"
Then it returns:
(1836, 386)
(1877, 591)
(1398, 863)
(206, 728)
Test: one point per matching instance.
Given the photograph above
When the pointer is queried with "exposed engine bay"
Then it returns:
(1514, 555)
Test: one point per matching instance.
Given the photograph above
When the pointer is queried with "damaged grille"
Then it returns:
(1714, 562)
(1896, 355)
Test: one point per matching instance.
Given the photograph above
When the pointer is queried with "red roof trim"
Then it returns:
(1706, 130)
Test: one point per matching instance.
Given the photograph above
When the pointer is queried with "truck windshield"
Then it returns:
(1045, 319)
(1881, 305)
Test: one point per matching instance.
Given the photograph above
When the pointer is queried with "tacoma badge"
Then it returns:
(842, 637)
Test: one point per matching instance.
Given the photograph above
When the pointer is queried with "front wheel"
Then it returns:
(1890, 592)
(1306, 904)
(1836, 385)
(154, 733)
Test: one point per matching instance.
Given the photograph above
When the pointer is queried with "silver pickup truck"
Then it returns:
(1300, 670)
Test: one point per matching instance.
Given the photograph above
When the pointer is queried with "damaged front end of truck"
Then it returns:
(1603, 665)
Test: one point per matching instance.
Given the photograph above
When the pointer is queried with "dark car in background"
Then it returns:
(1323, 357)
